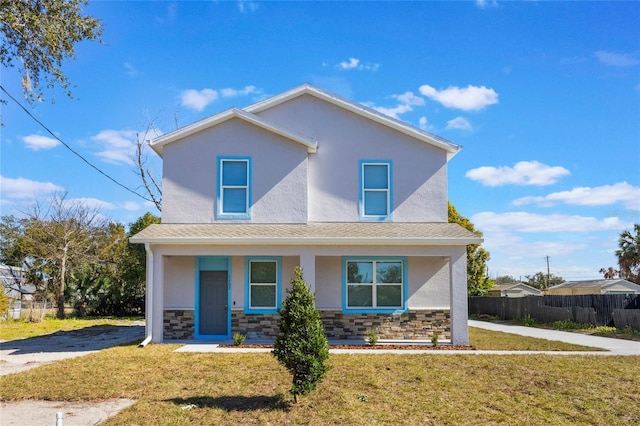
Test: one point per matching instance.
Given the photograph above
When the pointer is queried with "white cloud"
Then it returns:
(26, 188)
(523, 173)
(533, 222)
(393, 112)
(589, 196)
(130, 69)
(131, 206)
(614, 59)
(232, 93)
(459, 123)
(484, 4)
(198, 99)
(355, 64)
(423, 123)
(409, 98)
(91, 203)
(38, 142)
(470, 98)
(117, 146)
(245, 6)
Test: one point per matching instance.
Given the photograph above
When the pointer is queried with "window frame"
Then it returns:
(248, 285)
(374, 309)
(363, 191)
(221, 214)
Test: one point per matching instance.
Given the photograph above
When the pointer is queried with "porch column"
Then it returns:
(157, 308)
(308, 265)
(459, 302)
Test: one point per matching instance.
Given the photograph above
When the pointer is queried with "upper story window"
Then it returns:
(262, 291)
(234, 188)
(375, 190)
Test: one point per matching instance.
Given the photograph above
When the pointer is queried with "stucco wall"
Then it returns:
(344, 138)
(278, 168)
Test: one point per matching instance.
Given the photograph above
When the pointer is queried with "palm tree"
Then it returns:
(609, 273)
(629, 254)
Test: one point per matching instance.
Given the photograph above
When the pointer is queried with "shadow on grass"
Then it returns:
(91, 338)
(235, 402)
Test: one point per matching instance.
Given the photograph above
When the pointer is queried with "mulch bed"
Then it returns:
(368, 347)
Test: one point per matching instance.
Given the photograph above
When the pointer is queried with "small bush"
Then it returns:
(435, 340)
(569, 325)
(238, 339)
(372, 337)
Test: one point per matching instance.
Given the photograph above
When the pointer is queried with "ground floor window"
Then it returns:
(374, 284)
(263, 284)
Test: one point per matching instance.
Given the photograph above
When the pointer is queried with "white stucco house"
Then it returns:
(515, 289)
(305, 178)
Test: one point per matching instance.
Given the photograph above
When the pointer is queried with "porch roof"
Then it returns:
(361, 233)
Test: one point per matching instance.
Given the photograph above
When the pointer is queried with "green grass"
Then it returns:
(228, 389)
(21, 329)
(495, 340)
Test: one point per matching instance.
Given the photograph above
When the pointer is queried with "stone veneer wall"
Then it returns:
(413, 325)
(178, 324)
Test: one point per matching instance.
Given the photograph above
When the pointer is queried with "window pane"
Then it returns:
(389, 295)
(360, 295)
(389, 272)
(234, 200)
(359, 272)
(234, 173)
(376, 176)
(263, 272)
(375, 203)
(263, 296)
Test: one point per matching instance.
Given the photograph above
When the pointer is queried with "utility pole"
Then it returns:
(548, 274)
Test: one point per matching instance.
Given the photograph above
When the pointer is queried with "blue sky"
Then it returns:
(544, 97)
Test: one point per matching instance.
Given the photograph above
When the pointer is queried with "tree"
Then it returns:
(629, 254)
(609, 273)
(540, 280)
(40, 35)
(505, 279)
(302, 346)
(478, 282)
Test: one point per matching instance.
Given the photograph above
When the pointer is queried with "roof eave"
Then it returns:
(307, 241)
(158, 143)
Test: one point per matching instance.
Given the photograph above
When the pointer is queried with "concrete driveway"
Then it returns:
(24, 354)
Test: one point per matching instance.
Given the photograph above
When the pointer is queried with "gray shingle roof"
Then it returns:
(361, 233)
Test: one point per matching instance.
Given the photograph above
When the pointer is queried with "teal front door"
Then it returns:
(213, 302)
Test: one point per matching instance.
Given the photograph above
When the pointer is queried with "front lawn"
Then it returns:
(21, 329)
(192, 388)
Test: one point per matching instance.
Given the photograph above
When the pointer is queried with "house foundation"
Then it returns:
(411, 325)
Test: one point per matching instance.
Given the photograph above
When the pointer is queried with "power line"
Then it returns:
(71, 149)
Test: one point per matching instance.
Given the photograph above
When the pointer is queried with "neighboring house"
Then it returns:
(310, 179)
(13, 283)
(606, 286)
(513, 290)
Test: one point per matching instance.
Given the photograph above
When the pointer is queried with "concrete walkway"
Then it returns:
(613, 346)
(608, 346)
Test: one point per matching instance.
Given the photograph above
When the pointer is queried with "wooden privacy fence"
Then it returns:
(619, 310)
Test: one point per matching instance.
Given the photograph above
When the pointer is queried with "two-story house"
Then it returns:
(308, 178)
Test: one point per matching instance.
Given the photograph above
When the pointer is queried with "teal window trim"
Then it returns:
(371, 192)
(211, 263)
(371, 310)
(248, 309)
(226, 188)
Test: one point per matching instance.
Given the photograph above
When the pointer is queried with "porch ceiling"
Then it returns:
(366, 233)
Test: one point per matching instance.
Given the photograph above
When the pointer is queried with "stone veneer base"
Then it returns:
(412, 325)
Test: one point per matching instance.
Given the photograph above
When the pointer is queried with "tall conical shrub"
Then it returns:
(301, 346)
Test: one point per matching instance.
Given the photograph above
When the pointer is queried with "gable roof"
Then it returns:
(513, 285)
(363, 233)
(249, 114)
(158, 143)
(604, 284)
(357, 108)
